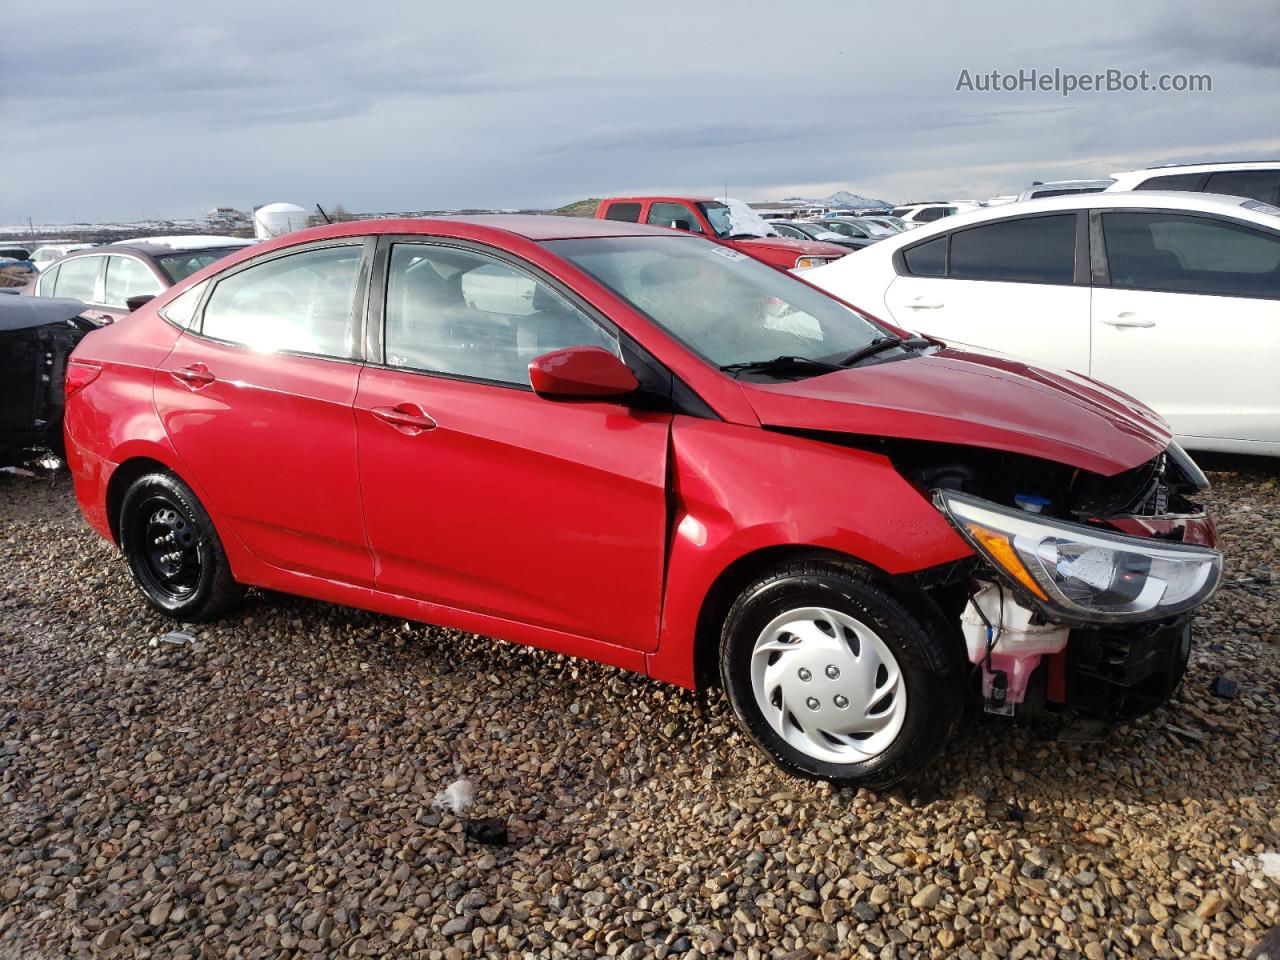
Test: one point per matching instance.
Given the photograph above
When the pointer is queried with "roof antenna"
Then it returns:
(322, 213)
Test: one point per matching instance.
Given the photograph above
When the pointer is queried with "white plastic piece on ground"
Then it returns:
(277, 219)
(742, 219)
(1019, 643)
(458, 797)
(1269, 864)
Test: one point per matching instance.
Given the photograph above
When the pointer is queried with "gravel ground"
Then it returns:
(267, 788)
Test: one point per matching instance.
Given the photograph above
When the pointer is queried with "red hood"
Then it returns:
(801, 248)
(975, 399)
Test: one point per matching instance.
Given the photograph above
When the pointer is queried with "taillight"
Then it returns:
(79, 375)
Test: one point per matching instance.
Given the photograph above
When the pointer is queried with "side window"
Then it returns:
(1261, 185)
(1180, 254)
(78, 278)
(300, 303)
(1175, 181)
(127, 277)
(928, 259)
(626, 212)
(1031, 250)
(673, 215)
(929, 214)
(48, 280)
(181, 310)
(468, 314)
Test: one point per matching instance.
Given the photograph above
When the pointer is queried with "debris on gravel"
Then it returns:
(266, 787)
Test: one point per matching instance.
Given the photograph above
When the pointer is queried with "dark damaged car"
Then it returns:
(36, 337)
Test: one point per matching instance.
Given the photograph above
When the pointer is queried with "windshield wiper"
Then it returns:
(880, 345)
(784, 364)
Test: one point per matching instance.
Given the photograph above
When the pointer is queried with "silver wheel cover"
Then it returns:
(828, 685)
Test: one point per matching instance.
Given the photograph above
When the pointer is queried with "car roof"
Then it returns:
(1201, 167)
(1162, 199)
(662, 198)
(1051, 184)
(148, 250)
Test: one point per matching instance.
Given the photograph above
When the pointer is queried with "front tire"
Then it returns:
(173, 551)
(835, 678)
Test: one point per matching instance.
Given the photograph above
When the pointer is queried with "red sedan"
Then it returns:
(631, 444)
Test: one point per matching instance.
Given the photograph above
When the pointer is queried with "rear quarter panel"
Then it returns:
(114, 418)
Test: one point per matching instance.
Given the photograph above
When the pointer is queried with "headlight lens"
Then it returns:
(804, 263)
(1083, 574)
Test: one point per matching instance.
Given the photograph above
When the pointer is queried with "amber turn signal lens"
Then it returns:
(1001, 551)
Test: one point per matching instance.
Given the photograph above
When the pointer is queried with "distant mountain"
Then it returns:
(841, 198)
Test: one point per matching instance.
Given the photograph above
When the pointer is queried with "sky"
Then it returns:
(125, 110)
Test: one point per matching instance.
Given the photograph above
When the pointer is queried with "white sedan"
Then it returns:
(1173, 298)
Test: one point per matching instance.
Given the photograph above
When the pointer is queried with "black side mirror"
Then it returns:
(681, 225)
(133, 303)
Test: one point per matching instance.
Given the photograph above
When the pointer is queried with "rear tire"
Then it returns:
(835, 678)
(173, 551)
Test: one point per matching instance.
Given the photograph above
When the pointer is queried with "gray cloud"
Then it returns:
(114, 112)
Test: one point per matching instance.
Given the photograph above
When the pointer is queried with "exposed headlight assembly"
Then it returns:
(1082, 574)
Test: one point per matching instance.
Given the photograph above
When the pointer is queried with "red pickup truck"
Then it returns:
(724, 224)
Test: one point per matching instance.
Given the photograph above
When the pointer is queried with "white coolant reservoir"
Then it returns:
(1018, 644)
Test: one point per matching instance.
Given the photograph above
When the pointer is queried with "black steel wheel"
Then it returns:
(174, 552)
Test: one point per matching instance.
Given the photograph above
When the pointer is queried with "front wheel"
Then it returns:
(835, 678)
(173, 551)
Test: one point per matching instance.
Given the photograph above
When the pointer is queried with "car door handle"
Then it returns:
(195, 376)
(1128, 319)
(408, 418)
(918, 304)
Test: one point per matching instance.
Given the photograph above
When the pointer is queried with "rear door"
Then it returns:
(1018, 285)
(478, 494)
(1186, 317)
(257, 401)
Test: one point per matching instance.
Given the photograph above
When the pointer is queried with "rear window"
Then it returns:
(928, 259)
(626, 212)
(1175, 181)
(179, 266)
(1030, 250)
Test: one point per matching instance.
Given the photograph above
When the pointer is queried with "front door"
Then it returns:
(1187, 319)
(258, 405)
(482, 496)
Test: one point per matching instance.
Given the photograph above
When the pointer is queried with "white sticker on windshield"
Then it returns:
(729, 254)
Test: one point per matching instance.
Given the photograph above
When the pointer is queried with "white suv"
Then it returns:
(916, 214)
(1257, 180)
(1171, 297)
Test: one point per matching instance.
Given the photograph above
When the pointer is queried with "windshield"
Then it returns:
(179, 266)
(723, 305)
(734, 219)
